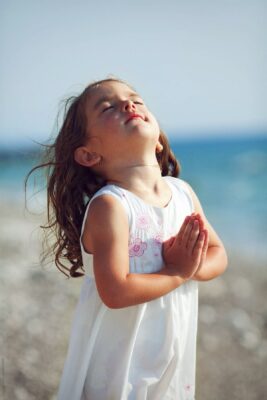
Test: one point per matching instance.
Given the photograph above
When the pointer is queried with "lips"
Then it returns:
(133, 116)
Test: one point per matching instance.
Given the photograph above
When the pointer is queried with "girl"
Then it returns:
(142, 242)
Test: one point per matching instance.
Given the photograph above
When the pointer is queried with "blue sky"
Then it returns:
(200, 65)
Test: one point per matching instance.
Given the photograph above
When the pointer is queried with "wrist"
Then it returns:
(171, 271)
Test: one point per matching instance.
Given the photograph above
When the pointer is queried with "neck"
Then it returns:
(146, 182)
(136, 176)
(142, 165)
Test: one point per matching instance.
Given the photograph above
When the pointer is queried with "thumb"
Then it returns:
(168, 243)
(206, 245)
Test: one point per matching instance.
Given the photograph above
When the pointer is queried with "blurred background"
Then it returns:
(201, 67)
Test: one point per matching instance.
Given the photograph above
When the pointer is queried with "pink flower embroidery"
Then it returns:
(188, 387)
(142, 222)
(158, 239)
(156, 243)
(137, 247)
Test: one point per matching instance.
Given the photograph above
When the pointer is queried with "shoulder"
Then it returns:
(104, 221)
(106, 210)
(108, 200)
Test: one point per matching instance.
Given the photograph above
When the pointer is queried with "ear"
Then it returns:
(159, 147)
(85, 157)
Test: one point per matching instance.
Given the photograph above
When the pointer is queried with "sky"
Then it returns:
(200, 65)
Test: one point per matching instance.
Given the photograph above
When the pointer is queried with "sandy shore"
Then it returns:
(37, 305)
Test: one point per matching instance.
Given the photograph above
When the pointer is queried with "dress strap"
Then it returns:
(182, 187)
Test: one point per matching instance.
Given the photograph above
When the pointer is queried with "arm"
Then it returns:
(214, 261)
(106, 235)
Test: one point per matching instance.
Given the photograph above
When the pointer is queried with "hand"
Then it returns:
(206, 242)
(185, 252)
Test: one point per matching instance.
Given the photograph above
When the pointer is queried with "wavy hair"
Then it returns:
(70, 186)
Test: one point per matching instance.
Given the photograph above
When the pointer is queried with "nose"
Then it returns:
(128, 105)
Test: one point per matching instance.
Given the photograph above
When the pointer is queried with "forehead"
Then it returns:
(108, 90)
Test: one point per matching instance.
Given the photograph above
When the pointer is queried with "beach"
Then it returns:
(37, 305)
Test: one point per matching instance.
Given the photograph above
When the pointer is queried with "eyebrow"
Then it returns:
(105, 98)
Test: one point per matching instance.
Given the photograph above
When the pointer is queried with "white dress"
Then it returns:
(142, 352)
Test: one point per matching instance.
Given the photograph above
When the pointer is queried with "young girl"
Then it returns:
(138, 234)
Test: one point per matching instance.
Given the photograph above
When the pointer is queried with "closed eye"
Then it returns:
(107, 108)
(138, 102)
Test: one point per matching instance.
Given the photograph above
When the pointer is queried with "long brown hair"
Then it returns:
(70, 186)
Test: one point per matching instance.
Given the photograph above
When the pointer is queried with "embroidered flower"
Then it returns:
(143, 221)
(137, 247)
(157, 243)
(188, 387)
(158, 239)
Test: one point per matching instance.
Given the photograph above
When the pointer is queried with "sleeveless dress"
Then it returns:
(142, 352)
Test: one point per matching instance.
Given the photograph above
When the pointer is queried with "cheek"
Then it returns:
(111, 121)
(108, 130)
(102, 127)
(94, 143)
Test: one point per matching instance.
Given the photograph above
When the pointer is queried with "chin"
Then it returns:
(147, 128)
(147, 134)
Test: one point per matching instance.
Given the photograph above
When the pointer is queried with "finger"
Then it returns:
(187, 231)
(199, 244)
(183, 227)
(200, 220)
(206, 243)
(179, 237)
(205, 247)
(168, 243)
(193, 237)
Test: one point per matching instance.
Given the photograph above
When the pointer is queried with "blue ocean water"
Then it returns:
(228, 175)
(230, 179)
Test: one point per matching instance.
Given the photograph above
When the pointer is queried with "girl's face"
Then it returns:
(118, 120)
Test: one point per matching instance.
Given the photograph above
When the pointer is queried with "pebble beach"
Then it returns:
(37, 305)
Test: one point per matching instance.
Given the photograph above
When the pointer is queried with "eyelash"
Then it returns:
(109, 107)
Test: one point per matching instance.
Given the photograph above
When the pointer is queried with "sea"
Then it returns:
(229, 176)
